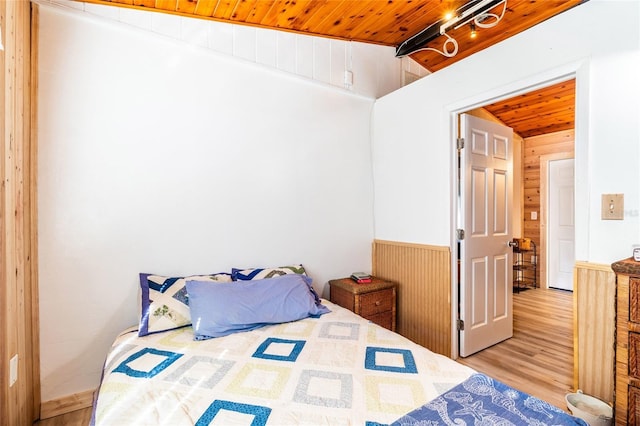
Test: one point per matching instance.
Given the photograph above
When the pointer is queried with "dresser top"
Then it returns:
(626, 266)
(356, 288)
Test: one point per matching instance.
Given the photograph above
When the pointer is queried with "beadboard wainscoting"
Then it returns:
(423, 275)
(594, 329)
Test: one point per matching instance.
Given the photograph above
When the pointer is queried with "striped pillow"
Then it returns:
(262, 273)
(165, 302)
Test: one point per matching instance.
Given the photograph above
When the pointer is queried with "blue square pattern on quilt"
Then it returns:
(325, 389)
(191, 373)
(262, 273)
(340, 330)
(386, 359)
(279, 349)
(165, 303)
(259, 413)
(153, 360)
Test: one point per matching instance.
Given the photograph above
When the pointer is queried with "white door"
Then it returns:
(561, 230)
(486, 184)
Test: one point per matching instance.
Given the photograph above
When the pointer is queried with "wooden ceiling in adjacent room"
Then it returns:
(390, 23)
(547, 110)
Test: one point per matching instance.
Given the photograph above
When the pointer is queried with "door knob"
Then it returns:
(512, 244)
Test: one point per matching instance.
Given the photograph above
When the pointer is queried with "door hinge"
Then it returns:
(460, 143)
(460, 234)
(460, 325)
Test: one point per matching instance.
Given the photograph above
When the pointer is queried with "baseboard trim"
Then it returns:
(66, 404)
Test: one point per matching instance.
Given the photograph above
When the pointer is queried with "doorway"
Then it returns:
(557, 222)
(531, 208)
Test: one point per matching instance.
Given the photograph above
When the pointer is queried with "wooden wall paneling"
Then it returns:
(5, 292)
(18, 143)
(559, 143)
(18, 403)
(594, 329)
(10, 302)
(423, 275)
(34, 295)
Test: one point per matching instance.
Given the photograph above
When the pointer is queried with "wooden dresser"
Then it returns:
(627, 405)
(375, 301)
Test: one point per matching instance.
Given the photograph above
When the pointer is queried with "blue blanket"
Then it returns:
(481, 400)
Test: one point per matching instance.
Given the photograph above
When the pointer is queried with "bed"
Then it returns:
(330, 367)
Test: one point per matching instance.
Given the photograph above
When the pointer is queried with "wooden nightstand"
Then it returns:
(375, 301)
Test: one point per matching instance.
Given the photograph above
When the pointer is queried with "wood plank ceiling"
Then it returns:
(547, 110)
(387, 22)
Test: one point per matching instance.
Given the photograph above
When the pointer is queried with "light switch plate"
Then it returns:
(612, 206)
(13, 370)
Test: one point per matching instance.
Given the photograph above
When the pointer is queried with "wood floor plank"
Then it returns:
(538, 359)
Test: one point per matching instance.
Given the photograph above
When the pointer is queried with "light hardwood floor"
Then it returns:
(538, 359)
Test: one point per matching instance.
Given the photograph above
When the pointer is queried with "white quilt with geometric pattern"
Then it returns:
(338, 369)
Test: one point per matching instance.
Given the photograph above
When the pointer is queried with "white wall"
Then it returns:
(412, 126)
(154, 157)
(374, 69)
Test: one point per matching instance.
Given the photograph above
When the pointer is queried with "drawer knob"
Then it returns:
(378, 303)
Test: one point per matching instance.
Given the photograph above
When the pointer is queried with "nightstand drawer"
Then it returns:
(384, 319)
(376, 302)
(634, 406)
(634, 300)
(634, 355)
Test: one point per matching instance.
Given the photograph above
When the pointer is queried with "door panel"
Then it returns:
(502, 286)
(479, 202)
(486, 184)
(479, 314)
(501, 213)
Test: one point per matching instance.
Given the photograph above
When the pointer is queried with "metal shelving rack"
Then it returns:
(525, 264)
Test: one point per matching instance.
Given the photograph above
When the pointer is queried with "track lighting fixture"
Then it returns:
(475, 12)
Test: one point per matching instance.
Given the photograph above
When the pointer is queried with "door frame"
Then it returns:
(544, 209)
(578, 70)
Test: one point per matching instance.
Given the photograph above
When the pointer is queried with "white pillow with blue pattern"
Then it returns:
(165, 302)
(262, 273)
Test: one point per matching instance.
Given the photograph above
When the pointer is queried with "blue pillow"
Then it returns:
(222, 309)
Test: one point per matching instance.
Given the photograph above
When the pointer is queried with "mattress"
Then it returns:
(337, 369)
